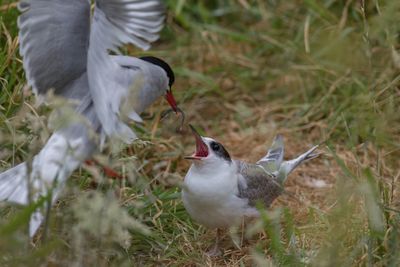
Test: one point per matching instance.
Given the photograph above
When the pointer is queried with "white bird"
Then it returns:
(66, 51)
(218, 192)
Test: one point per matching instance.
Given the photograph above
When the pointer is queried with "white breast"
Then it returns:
(210, 195)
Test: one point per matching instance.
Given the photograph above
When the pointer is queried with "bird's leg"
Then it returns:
(215, 250)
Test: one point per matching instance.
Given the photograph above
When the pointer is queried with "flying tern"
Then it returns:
(67, 49)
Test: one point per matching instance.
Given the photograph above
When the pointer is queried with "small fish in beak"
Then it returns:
(174, 108)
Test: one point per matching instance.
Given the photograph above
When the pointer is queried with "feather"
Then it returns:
(264, 180)
(272, 161)
(53, 36)
(54, 43)
(118, 22)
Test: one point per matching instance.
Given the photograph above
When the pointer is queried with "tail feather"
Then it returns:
(13, 185)
(35, 222)
(288, 166)
(50, 169)
(14, 189)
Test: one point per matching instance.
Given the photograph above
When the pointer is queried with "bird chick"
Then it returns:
(218, 191)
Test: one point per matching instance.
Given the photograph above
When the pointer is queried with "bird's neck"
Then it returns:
(211, 180)
(213, 168)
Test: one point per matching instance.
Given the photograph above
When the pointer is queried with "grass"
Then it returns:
(316, 71)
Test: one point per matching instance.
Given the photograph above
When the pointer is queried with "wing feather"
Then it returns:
(273, 160)
(118, 22)
(130, 21)
(54, 39)
(257, 184)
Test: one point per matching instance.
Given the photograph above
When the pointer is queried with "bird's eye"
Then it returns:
(215, 146)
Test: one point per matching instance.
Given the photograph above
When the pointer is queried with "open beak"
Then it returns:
(201, 147)
(171, 100)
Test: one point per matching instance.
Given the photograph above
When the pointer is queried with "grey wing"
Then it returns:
(273, 160)
(54, 38)
(288, 166)
(118, 22)
(257, 184)
(129, 21)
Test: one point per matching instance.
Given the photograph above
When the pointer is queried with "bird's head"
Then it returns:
(208, 150)
(171, 79)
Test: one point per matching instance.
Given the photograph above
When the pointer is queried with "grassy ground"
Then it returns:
(316, 71)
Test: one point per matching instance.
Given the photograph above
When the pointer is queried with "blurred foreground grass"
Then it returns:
(316, 71)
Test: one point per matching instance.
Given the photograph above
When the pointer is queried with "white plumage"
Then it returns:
(218, 192)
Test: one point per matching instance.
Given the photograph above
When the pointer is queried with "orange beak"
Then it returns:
(171, 101)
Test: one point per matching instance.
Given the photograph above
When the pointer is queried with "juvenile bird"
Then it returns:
(219, 191)
(67, 50)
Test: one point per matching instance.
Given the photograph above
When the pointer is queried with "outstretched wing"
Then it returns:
(257, 184)
(54, 37)
(118, 22)
(264, 180)
(129, 21)
(273, 160)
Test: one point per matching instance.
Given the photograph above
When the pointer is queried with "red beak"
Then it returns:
(171, 100)
(201, 147)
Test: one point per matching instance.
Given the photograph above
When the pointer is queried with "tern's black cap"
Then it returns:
(220, 151)
(164, 65)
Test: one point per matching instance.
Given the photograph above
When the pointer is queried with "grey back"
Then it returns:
(258, 185)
